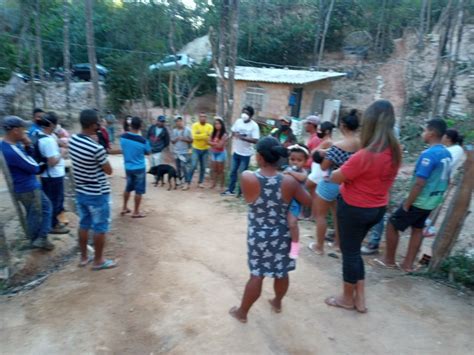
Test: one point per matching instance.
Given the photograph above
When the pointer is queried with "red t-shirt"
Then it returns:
(313, 143)
(369, 177)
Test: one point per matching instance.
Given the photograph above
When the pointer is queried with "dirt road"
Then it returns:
(183, 266)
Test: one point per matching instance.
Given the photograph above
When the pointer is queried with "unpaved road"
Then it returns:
(182, 268)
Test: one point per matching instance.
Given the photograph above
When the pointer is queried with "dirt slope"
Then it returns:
(184, 266)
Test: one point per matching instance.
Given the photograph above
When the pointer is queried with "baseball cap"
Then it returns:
(161, 118)
(313, 119)
(10, 122)
(177, 118)
(286, 119)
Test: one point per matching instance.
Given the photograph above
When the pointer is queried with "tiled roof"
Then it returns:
(283, 76)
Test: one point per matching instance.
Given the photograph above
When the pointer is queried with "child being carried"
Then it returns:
(298, 155)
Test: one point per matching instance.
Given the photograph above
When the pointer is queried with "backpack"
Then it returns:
(37, 156)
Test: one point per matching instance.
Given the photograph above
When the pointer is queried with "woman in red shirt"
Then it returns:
(366, 179)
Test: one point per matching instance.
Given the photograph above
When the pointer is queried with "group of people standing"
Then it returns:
(351, 177)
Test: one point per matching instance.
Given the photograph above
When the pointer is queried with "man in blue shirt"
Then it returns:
(17, 151)
(430, 181)
(134, 148)
(35, 127)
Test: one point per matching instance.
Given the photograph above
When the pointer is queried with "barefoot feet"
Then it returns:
(237, 314)
(276, 305)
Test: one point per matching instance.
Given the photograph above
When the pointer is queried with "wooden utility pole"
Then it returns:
(67, 59)
(91, 53)
(455, 216)
(221, 58)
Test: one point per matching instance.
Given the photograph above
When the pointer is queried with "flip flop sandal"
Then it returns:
(107, 264)
(123, 213)
(311, 247)
(333, 254)
(332, 301)
(139, 216)
(378, 262)
(86, 262)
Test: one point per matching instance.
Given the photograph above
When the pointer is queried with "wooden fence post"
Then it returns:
(455, 216)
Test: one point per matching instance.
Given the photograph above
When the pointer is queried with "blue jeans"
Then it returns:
(111, 131)
(240, 163)
(54, 189)
(198, 156)
(183, 166)
(38, 213)
(376, 233)
(94, 212)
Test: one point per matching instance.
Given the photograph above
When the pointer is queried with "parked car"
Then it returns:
(83, 71)
(172, 62)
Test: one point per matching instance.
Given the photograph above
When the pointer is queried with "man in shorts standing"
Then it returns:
(89, 160)
(134, 148)
(430, 181)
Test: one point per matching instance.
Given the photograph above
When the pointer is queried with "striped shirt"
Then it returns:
(87, 158)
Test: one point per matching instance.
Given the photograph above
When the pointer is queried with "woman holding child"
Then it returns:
(268, 194)
(365, 179)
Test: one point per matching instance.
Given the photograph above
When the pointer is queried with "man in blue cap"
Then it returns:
(159, 139)
(18, 153)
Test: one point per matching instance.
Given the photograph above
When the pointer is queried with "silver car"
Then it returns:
(172, 62)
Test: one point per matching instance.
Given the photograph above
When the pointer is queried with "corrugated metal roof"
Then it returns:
(283, 76)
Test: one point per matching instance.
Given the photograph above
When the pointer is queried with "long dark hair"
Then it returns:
(378, 130)
(454, 136)
(271, 150)
(222, 131)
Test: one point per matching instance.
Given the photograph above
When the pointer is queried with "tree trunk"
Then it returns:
(177, 89)
(220, 63)
(32, 73)
(91, 53)
(162, 95)
(325, 31)
(380, 28)
(39, 52)
(428, 17)
(67, 59)
(170, 94)
(233, 47)
(422, 28)
(439, 77)
(453, 58)
(317, 36)
(455, 216)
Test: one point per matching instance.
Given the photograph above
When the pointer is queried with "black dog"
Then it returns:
(160, 171)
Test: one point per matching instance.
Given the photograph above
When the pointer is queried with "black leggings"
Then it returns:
(354, 224)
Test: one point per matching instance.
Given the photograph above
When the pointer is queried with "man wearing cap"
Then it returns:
(159, 139)
(18, 153)
(311, 126)
(245, 133)
(52, 179)
(181, 138)
(35, 127)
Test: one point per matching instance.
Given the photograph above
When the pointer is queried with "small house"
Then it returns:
(275, 93)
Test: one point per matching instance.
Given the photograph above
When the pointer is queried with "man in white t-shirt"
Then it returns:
(245, 134)
(52, 178)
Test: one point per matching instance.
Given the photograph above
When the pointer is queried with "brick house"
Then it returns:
(275, 93)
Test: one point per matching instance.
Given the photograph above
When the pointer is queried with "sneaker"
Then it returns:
(185, 187)
(369, 250)
(43, 243)
(60, 229)
(227, 193)
(201, 186)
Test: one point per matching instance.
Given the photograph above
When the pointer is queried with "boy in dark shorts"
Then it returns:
(430, 181)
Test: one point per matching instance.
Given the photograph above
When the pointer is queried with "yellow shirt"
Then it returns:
(201, 134)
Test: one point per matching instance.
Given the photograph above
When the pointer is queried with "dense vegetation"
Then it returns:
(130, 35)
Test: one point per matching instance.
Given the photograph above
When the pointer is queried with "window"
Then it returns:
(254, 96)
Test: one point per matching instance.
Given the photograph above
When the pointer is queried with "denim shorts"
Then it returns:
(219, 157)
(94, 212)
(136, 181)
(295, 208)
(327, 190)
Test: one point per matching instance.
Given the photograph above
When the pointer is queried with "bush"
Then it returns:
(458, 269)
